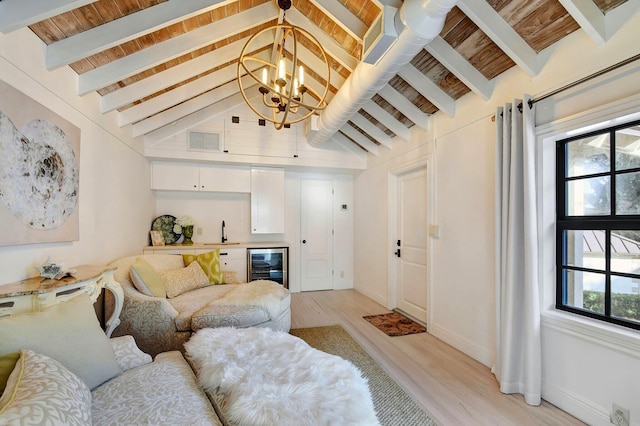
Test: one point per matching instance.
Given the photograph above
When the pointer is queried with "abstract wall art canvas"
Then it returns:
(39, 172)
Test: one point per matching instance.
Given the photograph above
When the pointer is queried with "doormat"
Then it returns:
(394, 324)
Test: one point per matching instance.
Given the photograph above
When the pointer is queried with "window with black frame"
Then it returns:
(598, 225)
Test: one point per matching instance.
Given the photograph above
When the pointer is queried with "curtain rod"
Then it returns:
(613, 67)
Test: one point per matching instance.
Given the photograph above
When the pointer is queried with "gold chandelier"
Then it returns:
(281, 82)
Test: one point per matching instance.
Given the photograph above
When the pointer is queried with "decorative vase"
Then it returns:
(187, 231)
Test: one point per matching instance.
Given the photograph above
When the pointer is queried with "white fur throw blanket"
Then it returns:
(269, 377)
(263, 293)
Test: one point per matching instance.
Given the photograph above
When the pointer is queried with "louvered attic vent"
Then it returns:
(202, 141)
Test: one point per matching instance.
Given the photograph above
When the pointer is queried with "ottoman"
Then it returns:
(268, 377)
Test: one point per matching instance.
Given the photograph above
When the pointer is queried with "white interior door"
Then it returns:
(412, 279)
(316, 232)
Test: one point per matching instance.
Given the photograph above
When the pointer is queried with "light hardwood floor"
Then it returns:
(452, 387)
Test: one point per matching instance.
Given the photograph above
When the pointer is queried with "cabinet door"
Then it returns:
(225, 179)
(174, 177)
(267, 201)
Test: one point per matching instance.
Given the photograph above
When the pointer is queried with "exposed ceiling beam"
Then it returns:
(372, 130)
(346, 143)
(174, 47)
(316, 64)
(184, 124)
(360, 139)
(330, 46)
(387, 120)
(15, 14)
(460, 67)
(502, 34)
(127, 28)
(176, 74)
(191, 106)
(403, 105)
(343, 17)
(428, 89)
(181, 93)
(589, 17)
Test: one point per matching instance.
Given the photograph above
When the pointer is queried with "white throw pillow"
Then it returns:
(68, 332)
(40, 390)
(182, 280)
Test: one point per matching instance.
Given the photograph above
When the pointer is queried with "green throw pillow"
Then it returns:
(7, 364)
(68, 332)
(146, 279)
(210, 263)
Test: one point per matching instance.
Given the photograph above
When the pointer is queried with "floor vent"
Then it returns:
(202, 141)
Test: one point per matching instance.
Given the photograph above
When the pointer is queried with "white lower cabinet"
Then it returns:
(232, 259)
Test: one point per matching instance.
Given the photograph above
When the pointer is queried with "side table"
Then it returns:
(37, 293)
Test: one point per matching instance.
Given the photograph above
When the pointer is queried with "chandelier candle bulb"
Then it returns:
(281, 69)
(301, 75)
(264, 75)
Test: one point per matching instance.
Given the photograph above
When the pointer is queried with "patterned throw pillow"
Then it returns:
(182, 280)
(40, 389)
(210, 263)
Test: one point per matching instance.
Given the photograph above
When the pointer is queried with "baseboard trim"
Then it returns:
(463, 345)
(373, 296)
(577, 406)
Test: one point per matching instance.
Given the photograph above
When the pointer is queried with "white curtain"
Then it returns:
(518, 355)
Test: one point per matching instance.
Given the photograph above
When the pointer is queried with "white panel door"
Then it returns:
(316, 231)
(412, 234)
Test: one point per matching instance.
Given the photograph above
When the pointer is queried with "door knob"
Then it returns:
(304, 241)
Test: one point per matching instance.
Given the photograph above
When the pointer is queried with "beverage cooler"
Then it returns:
(268, 264)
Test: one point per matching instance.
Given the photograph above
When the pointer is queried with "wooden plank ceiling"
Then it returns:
(155, 61)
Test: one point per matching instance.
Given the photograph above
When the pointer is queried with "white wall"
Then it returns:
(116, 205)
(462, 305)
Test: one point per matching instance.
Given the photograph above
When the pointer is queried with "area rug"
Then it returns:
(394, 324)
(393, 405)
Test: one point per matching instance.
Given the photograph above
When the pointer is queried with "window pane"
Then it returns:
(628, 193)
(625, 299)
(585, 249)
(589, 197)
(585, 290)
(588, 156)
(625, 252)
(628, 148)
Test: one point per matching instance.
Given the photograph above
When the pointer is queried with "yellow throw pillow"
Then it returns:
(7, 364)
(146, 279)
(210, 263)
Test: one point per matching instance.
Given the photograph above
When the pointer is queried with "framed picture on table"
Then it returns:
(157, 239)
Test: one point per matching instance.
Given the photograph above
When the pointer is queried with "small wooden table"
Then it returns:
(37, 293)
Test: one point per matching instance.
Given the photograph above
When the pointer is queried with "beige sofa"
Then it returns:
(58, 367)
(164, 324)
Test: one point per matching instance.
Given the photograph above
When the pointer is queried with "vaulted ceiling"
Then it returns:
(157, 61)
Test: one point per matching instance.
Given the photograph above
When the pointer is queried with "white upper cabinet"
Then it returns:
(199, 177)
(267, 201)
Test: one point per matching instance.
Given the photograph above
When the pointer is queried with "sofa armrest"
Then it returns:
(128, 355)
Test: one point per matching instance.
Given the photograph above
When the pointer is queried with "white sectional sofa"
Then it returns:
(57, 366)
(164, 322)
